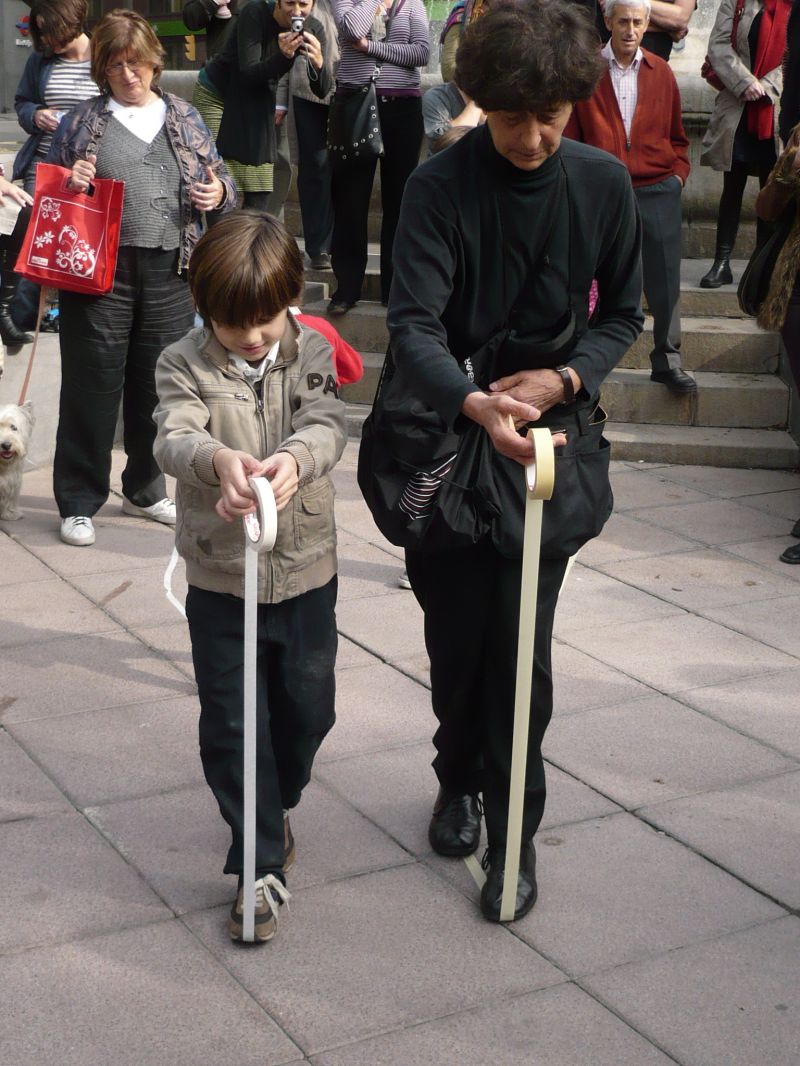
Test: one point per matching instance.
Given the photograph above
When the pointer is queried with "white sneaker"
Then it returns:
(163, 511)
(403, 581)
(78, 531)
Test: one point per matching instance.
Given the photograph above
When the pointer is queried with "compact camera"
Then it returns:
(298, 22)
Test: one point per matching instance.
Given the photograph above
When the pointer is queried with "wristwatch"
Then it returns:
(569, 387)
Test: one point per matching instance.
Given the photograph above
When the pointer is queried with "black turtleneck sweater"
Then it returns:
(468, 249)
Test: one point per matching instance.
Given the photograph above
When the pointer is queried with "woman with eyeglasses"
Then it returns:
(159, 146)
(56, 79)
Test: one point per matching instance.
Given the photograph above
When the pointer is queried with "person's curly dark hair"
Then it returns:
(529, 55)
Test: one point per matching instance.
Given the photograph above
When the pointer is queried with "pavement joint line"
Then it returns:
(386, 662)
(8, 726)
(81, 938)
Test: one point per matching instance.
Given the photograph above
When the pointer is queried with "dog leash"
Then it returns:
(27, 380)
(260, 529)
(539, 482)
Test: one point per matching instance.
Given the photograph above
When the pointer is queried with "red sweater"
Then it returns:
(658, 145)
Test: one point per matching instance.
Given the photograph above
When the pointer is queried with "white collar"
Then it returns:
(251, 372)
(608, 52)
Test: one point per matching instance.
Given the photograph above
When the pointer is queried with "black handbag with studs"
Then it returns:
(354, 128)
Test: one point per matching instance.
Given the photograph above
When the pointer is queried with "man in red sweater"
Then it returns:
(635, 114)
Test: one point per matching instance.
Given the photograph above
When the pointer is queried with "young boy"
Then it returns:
(253, 394)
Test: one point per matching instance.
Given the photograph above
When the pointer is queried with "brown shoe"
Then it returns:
(270, 895)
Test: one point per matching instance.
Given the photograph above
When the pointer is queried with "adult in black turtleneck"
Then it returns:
(508, 227)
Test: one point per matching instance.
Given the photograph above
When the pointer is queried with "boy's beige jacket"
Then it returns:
(204, 404)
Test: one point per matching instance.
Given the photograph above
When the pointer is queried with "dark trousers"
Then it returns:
(314, 174)
(730, 206)
(790, 334)
(470, 597)
(109, 348)
(403, 130)
(295, 706)
(660, 211)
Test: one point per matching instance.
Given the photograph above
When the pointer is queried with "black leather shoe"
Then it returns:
(675, 379)
(796, 529)
(494, 862)
(791, 555)
(455, 828)
(340, 307)
(719, 274)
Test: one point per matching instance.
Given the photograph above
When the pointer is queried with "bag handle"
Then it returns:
(392, 12)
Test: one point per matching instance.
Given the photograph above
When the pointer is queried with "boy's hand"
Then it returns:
(281, 469)
(233, 469)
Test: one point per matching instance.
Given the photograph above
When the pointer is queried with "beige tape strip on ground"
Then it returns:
(260, 529)
(540, 481)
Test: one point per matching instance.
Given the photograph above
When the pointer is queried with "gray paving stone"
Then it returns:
(624, 537)
(656, 749)
(590, 599)
(559, 1026)
(728, 482)
(55, 610)
(26, 792)
(118, 752)
(17, 565)
(59, 880)
(351, 655)
(399, 947)
(76, 673)
(581, 683)
(673, 657)
(766, 553)
(713, 521)
(614, 890)
(136, 597)
(775, 622)
(390, 626)
(366, 571)
(763, 707)
(172, 642)
(178, 841)
(417, 667)
(766, 855)
(786, 503)
(397, 789)
(136, 998)
(377, 707)
(648, 488)
(728, 1002)
(701, 580)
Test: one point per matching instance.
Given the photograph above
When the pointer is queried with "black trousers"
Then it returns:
(109, 348)
(295, 707)
(403, 130)
(660, 211)
(314, 174)
(470, 597)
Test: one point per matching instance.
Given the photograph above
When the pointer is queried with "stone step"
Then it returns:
(769, 449)
(708, 303)
(734, 346)
(754, 401)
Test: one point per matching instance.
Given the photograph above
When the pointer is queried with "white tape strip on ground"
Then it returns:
(261, 529)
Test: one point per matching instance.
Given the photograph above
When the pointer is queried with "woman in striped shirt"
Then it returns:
(56, 79)
(394, 36)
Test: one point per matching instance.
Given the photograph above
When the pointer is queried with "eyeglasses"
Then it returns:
(114, 69)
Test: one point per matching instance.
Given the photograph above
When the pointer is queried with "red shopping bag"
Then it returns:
(73, 238)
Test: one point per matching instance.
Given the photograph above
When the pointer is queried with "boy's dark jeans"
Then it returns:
(295, 707)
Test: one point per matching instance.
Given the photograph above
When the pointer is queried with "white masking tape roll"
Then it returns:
(261, 527)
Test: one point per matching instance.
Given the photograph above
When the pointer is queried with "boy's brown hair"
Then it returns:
(61, 22)
(246, 269)
(123, 34)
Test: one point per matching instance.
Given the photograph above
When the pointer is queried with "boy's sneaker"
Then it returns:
(163, 511)
(270, 895)
(77, 530)
(288, 843)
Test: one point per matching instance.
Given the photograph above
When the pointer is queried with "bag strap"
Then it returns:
(39, 315)
(395, 8)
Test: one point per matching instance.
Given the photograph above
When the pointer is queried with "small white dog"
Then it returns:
(16, 426)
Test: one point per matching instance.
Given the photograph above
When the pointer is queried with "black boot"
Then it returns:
(720, 272)
(11, 335)
(455, 828)
(494, 862)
